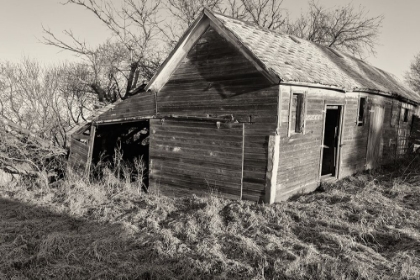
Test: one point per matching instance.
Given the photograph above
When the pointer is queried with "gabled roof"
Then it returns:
(287, 59)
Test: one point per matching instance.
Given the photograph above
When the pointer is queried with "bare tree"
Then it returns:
(186, 11)
(265, 13)
(412, 76)
(135, 50)
(30, 97)
(129, 57)
(344, 28)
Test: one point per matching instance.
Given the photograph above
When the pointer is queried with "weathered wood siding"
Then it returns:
(300, 154)
(215, 80)
(135, 107)
(390, 128)
(415, 132)
(354, 139)
(79, 153)
(299, 158)
(404, 130)
(197, 156)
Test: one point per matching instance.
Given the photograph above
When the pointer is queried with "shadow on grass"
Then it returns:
(36, 243)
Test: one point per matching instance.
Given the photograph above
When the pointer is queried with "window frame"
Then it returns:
(303, 95)
(405, 112)
(362, 122)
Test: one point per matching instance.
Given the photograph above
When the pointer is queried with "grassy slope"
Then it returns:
(364, 227)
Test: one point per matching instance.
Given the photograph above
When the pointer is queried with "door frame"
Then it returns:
(339, 142)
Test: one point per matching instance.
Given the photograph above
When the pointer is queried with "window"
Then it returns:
(297, 113)
(361, 111)
(404, 114)
(395, 114)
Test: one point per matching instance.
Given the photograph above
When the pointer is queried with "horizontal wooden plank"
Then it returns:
(214, 109)
(299, 163)
(191, 123)
(212, 99)
(209, 174)
(228, 138)
(245, 93)
(173, 190)
(208, 154)
(158, 177)
(242, 80)
(197, 132)
(181, 148)
(212, 142)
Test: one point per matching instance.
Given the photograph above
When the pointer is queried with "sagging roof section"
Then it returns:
(288, 59)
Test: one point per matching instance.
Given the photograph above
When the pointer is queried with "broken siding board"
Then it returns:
(78, 155)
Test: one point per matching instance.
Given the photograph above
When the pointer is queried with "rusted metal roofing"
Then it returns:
(301, 61)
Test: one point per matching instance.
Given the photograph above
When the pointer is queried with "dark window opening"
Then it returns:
(298, 113)
(405, 115)
(125, 145)
(361, 114)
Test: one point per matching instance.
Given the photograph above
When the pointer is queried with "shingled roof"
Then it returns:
(301, 61)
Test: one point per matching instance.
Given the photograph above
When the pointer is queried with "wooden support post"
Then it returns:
(243, 159)
(272, 168)
(90, 151)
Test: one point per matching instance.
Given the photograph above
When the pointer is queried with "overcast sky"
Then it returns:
(21, 29)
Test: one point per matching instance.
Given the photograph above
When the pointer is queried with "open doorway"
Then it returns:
(127, 143)
(331, 140)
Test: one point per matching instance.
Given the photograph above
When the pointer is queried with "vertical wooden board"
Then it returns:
(90, 149)
(78, 155)
(375, 140)
(256, 152)
(272, 168)
(415, 131)
(196, 157)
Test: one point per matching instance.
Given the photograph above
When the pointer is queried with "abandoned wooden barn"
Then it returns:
(255, 115)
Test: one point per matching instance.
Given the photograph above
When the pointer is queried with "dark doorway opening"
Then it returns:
(126, 143)
(330, 148)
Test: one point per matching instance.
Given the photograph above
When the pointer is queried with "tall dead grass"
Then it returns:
(366, 226)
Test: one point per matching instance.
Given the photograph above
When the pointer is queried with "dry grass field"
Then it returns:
(366, 226)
